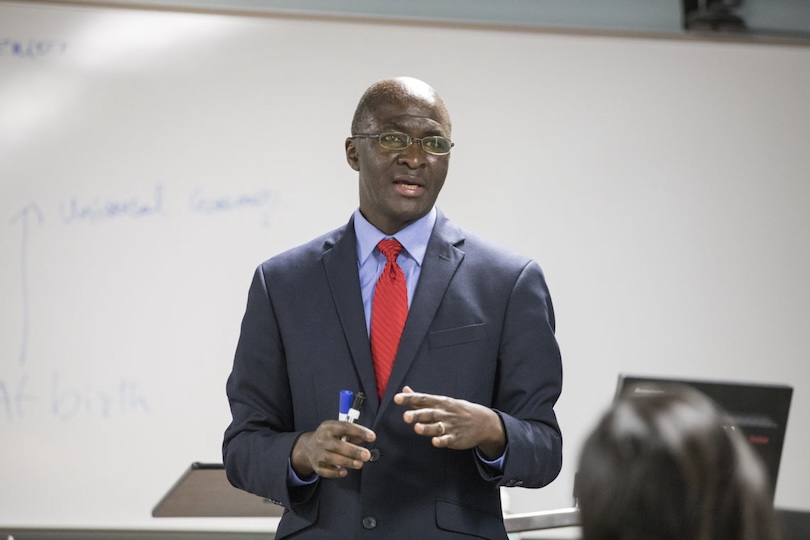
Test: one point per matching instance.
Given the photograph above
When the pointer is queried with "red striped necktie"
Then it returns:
(388, 313)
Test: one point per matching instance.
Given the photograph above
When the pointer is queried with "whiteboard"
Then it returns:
(150, 160)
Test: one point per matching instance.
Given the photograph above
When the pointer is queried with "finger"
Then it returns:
(329, 430)
(330, 471)
(433, 429)
(440, 428)
(355, 433)
(400, 397)
(423, 416)
(336, 464)
(352, 459)
(329, 440)
(442, 442)
(418, 400)
(410, 396)
(413, 398)
(349, 450)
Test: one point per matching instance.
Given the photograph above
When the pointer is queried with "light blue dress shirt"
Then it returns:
(370, 262)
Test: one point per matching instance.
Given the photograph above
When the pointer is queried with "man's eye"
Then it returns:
(395, 139)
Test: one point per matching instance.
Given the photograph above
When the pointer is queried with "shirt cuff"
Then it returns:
(293, 480)
(495, 465)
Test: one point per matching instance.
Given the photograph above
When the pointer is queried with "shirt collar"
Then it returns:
(414, 238)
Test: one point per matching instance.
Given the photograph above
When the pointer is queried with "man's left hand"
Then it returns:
(454, 423)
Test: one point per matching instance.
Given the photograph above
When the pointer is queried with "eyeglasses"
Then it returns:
(395, 140)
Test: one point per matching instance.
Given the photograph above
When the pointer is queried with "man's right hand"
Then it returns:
(323, 452)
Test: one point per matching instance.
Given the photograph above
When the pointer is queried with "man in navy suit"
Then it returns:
(468, 407)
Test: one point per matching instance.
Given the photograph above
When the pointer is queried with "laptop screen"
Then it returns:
(760, 411)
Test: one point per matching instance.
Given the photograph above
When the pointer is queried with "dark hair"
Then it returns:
(668, 465)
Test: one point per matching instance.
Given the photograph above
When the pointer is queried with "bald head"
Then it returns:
(395, 90)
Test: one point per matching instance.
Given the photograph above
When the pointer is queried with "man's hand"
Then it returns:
(323, 452)
(454, 423)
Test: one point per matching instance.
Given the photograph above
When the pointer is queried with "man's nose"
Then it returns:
(413, 156)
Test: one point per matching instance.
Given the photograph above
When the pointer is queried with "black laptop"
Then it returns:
(760, 411)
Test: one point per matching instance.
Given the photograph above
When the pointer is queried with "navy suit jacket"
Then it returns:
(480, 328)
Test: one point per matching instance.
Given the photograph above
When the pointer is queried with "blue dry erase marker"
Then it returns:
(354, 411)
(345, 404)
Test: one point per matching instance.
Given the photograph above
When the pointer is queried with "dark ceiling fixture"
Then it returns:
(713, 16)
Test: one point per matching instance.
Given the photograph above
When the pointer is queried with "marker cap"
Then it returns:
(346, 401)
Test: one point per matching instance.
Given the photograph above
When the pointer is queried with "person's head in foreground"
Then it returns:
(669, 466)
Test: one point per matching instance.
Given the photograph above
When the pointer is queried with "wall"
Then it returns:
(149, 160)
(765, 19)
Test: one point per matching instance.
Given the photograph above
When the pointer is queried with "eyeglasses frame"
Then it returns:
(411, 140)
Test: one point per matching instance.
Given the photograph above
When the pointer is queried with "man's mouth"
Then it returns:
(408, 187)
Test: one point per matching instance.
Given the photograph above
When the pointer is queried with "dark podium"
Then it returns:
(204, 491)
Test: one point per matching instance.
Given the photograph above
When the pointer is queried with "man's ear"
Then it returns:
(351, 154)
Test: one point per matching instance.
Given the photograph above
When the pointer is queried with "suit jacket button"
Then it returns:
(375, 455)
(369, 522)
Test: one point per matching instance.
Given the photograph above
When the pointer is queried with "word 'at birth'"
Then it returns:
(21, 400)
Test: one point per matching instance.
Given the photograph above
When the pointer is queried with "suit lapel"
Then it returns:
(340, 264)
(441, 261)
